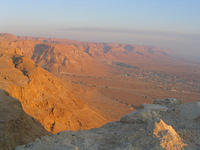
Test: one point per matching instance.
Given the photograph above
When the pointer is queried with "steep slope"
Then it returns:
(16, 127)
(162, 125)
(44, 97)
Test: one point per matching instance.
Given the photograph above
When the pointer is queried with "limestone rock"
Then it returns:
(142, 116)
(190, 110)
(168, 137)
(154, 107)
(147, 113)
(167, 101)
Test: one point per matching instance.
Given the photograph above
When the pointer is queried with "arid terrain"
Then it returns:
(164, 125)
(111, 77)
(70, 85)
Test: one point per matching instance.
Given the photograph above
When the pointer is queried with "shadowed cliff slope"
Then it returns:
(16, 127)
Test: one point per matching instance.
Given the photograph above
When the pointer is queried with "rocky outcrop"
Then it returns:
(162, 125)
(167, 136)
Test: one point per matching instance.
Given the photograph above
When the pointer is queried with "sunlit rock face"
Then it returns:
(45, 97)
(154, 126)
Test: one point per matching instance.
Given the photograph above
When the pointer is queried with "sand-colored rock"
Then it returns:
(168, 137)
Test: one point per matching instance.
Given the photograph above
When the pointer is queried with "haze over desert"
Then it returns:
(99, 75)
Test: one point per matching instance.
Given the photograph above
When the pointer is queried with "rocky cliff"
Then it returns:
(16, 127)
(166, 124)
(44, 97)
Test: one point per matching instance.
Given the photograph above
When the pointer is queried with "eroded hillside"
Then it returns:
(44, 97)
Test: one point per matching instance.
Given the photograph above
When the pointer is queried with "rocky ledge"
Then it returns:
(166, 124)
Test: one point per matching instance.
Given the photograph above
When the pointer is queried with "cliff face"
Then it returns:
(16, 127)
(45, 97)
(167, 124)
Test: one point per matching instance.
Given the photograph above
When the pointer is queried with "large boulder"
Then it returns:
(138, 117)
(190, 110)
(154, 107)
(147, 113)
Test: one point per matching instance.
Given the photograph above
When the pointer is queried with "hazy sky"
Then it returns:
(173, 24)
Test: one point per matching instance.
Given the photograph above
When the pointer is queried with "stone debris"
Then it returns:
(163, 125)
